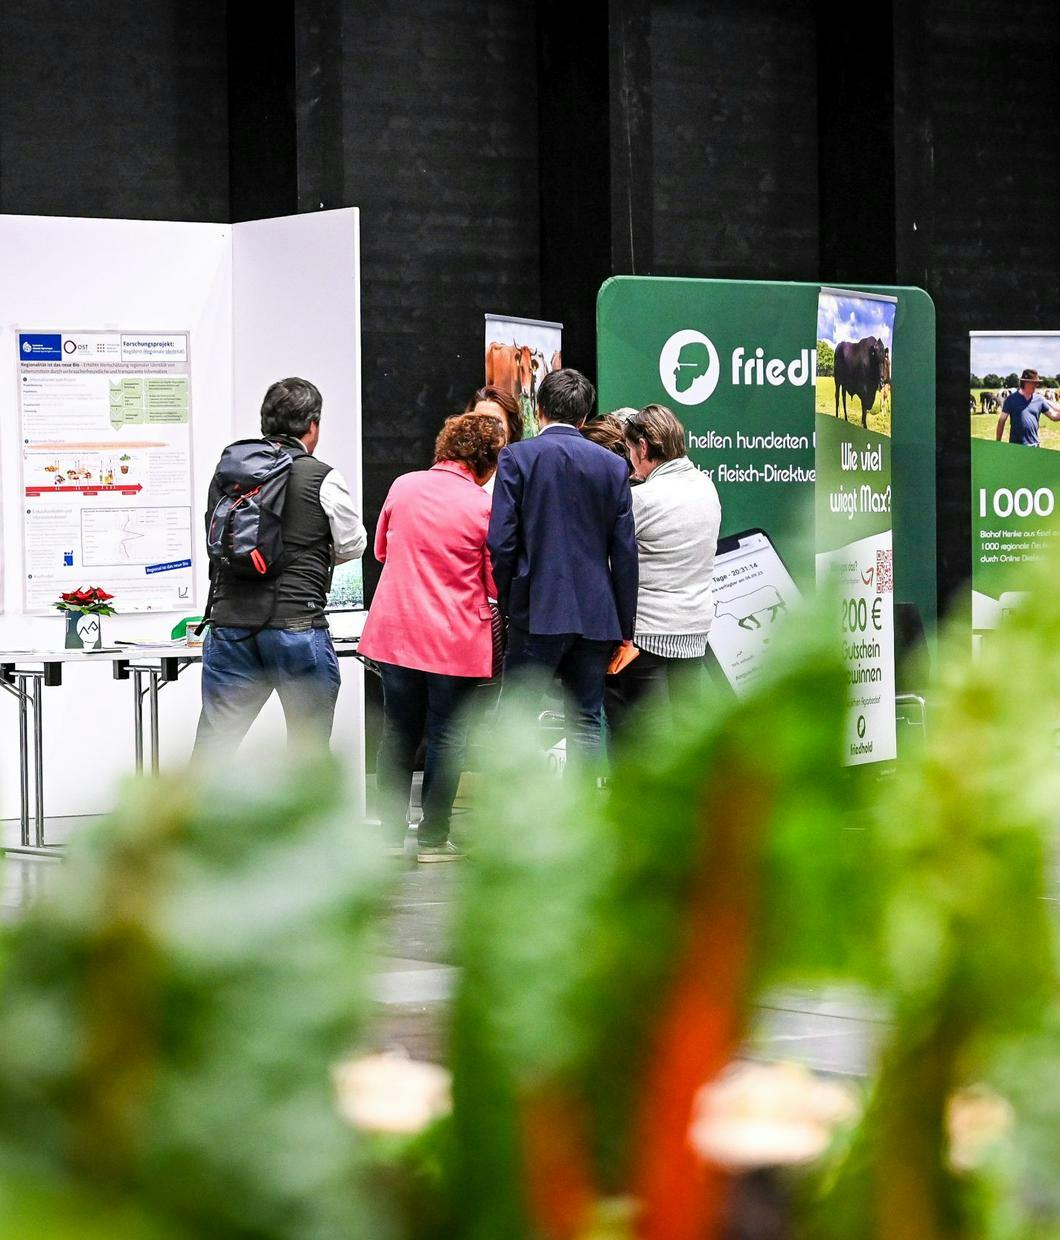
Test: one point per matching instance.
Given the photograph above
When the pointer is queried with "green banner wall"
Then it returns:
(753, 345)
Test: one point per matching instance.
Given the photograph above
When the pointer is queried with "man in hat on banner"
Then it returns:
(1025, 407)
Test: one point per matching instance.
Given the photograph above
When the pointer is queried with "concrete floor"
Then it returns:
(828, 1030)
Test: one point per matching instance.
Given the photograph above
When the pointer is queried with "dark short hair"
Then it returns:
(472, 439)
(290, 407)
(513, 415)
(658, 427)
(566, 396)
(607, 431)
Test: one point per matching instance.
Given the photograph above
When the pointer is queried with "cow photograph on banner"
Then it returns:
(519, 353)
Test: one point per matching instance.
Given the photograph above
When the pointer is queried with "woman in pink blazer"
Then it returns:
(429, 627)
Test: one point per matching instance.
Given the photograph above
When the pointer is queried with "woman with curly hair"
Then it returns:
(430, 625)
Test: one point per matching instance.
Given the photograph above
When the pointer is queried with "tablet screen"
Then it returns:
(347, 587)
(753, 592)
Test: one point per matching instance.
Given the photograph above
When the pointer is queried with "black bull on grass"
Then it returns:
(861, 367)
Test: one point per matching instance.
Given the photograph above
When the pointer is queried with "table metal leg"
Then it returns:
(23, 756)
(155, 677)
(38, 760)
(27, 687)
(138, 719)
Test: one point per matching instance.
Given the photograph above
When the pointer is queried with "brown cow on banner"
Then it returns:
(510, 367)
(524, 358)
(501, 366)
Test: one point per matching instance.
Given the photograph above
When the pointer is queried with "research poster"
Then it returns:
(107, 466)
(519, 353)
(853, 529)
(1014, 404)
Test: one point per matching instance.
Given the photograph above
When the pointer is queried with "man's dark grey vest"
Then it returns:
(299, 593)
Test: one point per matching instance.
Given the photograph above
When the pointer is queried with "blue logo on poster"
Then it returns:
(35, 347)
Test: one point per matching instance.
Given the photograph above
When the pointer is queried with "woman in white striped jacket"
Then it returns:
(677, 514)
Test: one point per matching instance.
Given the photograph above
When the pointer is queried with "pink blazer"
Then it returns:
(430, 608)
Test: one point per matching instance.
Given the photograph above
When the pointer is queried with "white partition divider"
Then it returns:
(261, 300)
(296, 298)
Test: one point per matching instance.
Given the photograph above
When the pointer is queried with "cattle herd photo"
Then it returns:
(997, 361)
(519, 353)
(854, 336)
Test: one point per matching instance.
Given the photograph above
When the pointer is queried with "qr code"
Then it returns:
(884, 572)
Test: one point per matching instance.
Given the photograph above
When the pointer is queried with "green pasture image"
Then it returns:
(879, 419)
(984, 425)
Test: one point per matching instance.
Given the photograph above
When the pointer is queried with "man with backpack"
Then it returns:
(277, 521)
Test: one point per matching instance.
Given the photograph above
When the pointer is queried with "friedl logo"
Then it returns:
(689, 367)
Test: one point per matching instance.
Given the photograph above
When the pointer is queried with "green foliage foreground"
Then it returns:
(168, 1014)
(171, 1009)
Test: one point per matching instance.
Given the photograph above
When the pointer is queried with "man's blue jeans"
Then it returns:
(415, 703)
(581, 665)
(238, 677)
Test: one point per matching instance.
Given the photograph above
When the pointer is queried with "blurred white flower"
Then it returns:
(768, 1115)
(391, 1093)
(977, 1119)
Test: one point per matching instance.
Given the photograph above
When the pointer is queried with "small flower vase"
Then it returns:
(84, 630)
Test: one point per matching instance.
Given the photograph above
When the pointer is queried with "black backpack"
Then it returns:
(245, 532)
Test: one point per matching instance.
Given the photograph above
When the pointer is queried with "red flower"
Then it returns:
(85, 596)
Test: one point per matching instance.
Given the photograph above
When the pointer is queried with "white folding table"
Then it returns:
(23, 674)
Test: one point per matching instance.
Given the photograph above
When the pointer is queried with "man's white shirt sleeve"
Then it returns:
(347, 532)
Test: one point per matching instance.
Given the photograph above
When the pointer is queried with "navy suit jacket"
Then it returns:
(562, 539)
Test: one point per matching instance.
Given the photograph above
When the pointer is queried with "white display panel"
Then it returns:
(297, 303)
(296, 292)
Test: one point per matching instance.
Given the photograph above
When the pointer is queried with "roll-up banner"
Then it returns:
(749, 367)
(519, 353)
(1015, 423)
(855, 548)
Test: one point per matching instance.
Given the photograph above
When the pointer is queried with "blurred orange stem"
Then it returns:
(560, 1183)
(703, 1021)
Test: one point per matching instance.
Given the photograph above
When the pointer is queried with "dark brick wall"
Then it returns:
(440, 152)
(114, 109)
(992, 120)
(506, 154)
(734, 124)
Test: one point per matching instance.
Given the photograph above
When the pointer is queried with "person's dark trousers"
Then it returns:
(417, 703)
(581, 666)
(238, 676)
(640, 700)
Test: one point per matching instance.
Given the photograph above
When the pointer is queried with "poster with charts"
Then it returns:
(105, 420)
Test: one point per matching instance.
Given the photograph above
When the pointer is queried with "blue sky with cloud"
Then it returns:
(1001, 355)
(854, 318)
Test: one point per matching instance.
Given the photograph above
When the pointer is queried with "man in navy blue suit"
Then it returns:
(564, 556)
